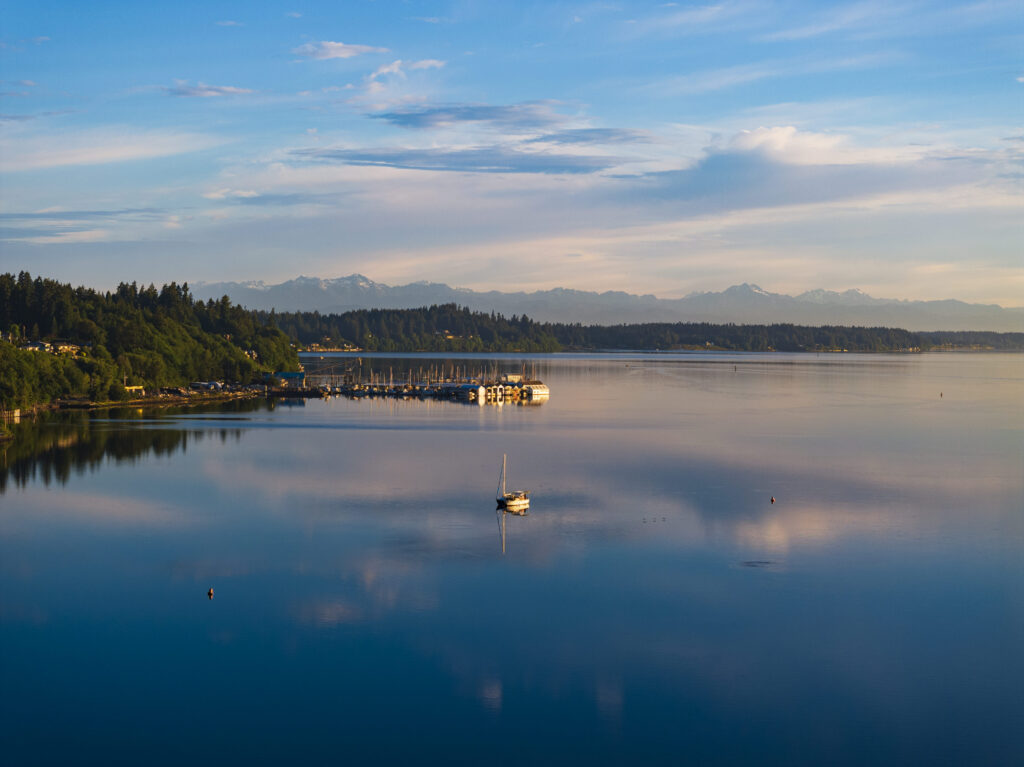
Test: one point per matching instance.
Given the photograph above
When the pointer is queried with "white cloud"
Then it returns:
(427, 64)
(717, 79)
(692, 20)
(397, 68)
(220, 194)
(795, 147)
(67, 238)
(394, 68)
(96, 147)
(871, 13)
(204, 91)
(229, 24)
(326, 49)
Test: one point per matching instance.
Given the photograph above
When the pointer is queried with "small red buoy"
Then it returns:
(773, 501)
(210, 592)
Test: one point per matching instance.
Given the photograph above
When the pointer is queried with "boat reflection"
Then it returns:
(502, 514)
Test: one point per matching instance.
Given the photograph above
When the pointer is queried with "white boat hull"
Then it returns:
(514, 505)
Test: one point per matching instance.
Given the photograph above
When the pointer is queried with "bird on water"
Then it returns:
(210, 592)
(773, 501)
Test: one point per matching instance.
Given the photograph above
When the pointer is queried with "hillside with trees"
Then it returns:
(443, 328)
(449, 328)
(138, 336)
(149, 337)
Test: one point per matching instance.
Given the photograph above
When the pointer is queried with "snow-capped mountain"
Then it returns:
(744, 303)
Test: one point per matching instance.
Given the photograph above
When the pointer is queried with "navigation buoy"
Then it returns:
(773, 501)
(210, 593)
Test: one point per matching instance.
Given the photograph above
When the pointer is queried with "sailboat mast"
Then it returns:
(504, 458)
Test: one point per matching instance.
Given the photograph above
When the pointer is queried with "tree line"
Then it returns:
(450, 328)
(142, 336)
(165, 337)
(439, 328)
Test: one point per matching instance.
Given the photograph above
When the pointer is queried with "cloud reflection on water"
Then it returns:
(355, 556)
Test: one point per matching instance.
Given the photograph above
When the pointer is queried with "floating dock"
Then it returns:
(457, 386)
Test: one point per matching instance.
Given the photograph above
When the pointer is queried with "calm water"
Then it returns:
(654, 607)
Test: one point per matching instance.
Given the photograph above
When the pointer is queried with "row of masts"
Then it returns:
(346, 373)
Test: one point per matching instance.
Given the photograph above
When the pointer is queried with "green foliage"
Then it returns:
(150, 337)
(449, 328)
(144, 336)
(444, 328)
(751, 338)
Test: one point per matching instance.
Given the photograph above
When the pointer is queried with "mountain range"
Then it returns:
(740, 304)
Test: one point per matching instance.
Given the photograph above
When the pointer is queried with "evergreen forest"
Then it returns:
(449, 328)
(165, 337)
(134, 336)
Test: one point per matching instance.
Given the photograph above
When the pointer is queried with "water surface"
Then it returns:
(654, 606)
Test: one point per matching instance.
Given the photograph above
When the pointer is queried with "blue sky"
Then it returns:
(651, 147)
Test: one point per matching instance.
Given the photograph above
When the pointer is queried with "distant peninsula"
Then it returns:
(744, 304)
(58, 341)
(450, 328)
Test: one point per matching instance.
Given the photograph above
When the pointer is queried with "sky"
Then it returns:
(650, 147)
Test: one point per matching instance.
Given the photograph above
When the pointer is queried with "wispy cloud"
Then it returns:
(717, 79)
(229, 24)
(698, 14)
(18, 45)
(534, 114)
(691, 20)
(96, 147)
(66, 238)
(427, 64)
(326, 49)
(396, 71)
(221, 194)
(592, 136)
(860, 15)
(204, 91)
(394, 68)
(56, 226)
(58, 215)
(35, 116)
(493, 159)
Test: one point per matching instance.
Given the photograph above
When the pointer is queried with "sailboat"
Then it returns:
(511, 500)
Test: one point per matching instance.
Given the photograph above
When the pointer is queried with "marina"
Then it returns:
(347, 378)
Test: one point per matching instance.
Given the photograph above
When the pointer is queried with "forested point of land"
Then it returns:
(449, 328)
(134, 336)
(166, 337)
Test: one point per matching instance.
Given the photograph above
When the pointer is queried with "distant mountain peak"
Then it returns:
(745, 289)
(746, 303)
